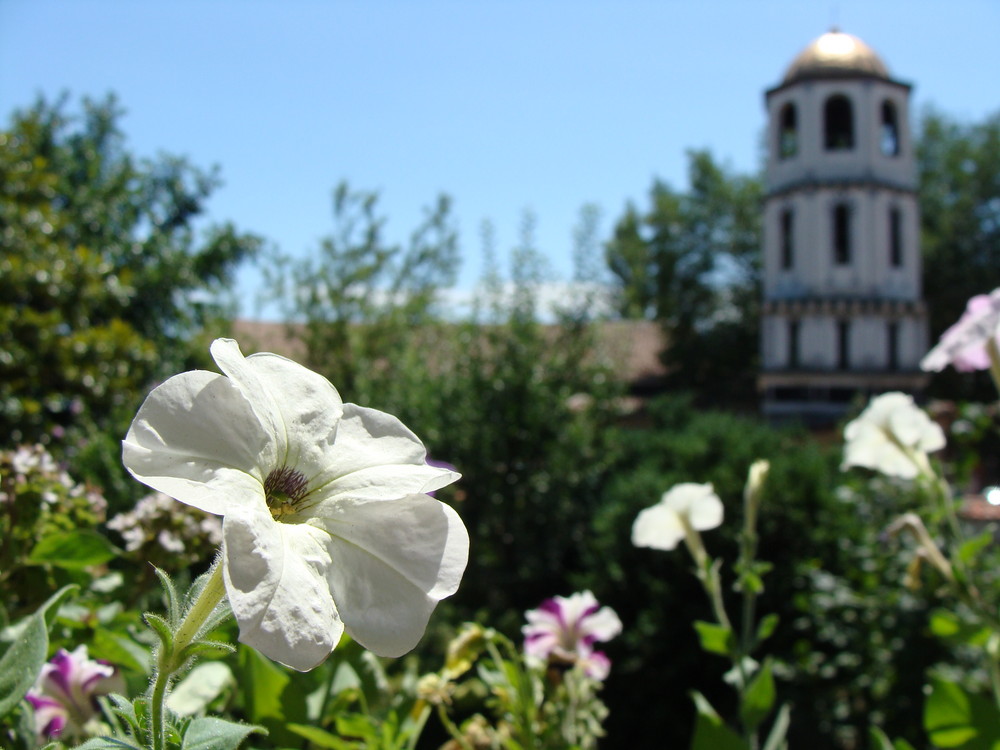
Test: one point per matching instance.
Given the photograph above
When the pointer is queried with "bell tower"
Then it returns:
(842, 313)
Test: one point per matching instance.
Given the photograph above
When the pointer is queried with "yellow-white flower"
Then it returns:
(684, 508)
(327, 524)
(892, 435)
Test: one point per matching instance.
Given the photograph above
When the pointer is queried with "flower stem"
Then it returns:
(171, 659)
(209, 598)
(453, 730)
(994, 351)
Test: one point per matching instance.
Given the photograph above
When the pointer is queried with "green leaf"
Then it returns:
(758, 700)
(271, 697)
(971, 548)
(264, 683)
(162, 629)
(879, 740)
(206, 648)
(210, 733)
(766, 627)
(751, 583)
(357, 725)
(948, 626)
(120, 650)
(322, 738)
(21, 663)
(955, 718)
(776, 737)
(108, 743)
(710, 733)
(173, 601)
(715, 639)
(72, 550)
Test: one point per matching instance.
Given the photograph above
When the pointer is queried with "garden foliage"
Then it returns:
(856, 635)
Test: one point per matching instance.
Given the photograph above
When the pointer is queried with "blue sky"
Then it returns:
(505, 106)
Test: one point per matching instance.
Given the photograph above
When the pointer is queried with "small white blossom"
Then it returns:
(893, 436)
(686, 507)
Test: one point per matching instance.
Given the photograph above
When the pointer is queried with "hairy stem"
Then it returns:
(171, 659)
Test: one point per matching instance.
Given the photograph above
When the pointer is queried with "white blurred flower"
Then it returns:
(158, 519)
(685, 507)
(893, 436)
(564, 629)
(327, 524)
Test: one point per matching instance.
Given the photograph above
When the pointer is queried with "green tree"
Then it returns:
(959, 168)
(356, 304)
(692, 262)
(106, 276)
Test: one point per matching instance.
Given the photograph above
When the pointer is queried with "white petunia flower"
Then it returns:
(686, 506)
(327, 525)
(893, 436)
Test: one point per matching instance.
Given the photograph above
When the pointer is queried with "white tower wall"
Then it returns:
(843, 314)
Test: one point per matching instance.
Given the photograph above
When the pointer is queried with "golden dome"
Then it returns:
(836, 55)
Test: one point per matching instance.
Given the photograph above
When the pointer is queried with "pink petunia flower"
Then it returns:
(964, 344)
(565, 629)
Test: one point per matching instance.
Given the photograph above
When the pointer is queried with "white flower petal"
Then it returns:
(706, 510)
(393, 561)
(196, 439)
(377, 457)
(540, 643)
(575, 607)
(275, 580)
(297, 407)
(602, 625)
(658, 527)
(698, 503)
(889, 435)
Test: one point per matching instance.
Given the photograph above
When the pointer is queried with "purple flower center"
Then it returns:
(284, 489)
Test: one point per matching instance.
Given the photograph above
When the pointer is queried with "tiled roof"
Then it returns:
(634, 345)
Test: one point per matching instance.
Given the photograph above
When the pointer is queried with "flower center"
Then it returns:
(284, 489)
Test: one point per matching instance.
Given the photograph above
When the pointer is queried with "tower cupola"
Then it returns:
(843, 313)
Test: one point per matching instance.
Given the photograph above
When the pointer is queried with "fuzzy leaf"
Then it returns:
(108, 743)
(162, 629)
(173, 601)
(210, 733)
(22, 662)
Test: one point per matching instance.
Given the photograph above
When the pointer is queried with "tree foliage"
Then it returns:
(692, 262)
(106, 275)
(959, 169)
(354, 304)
